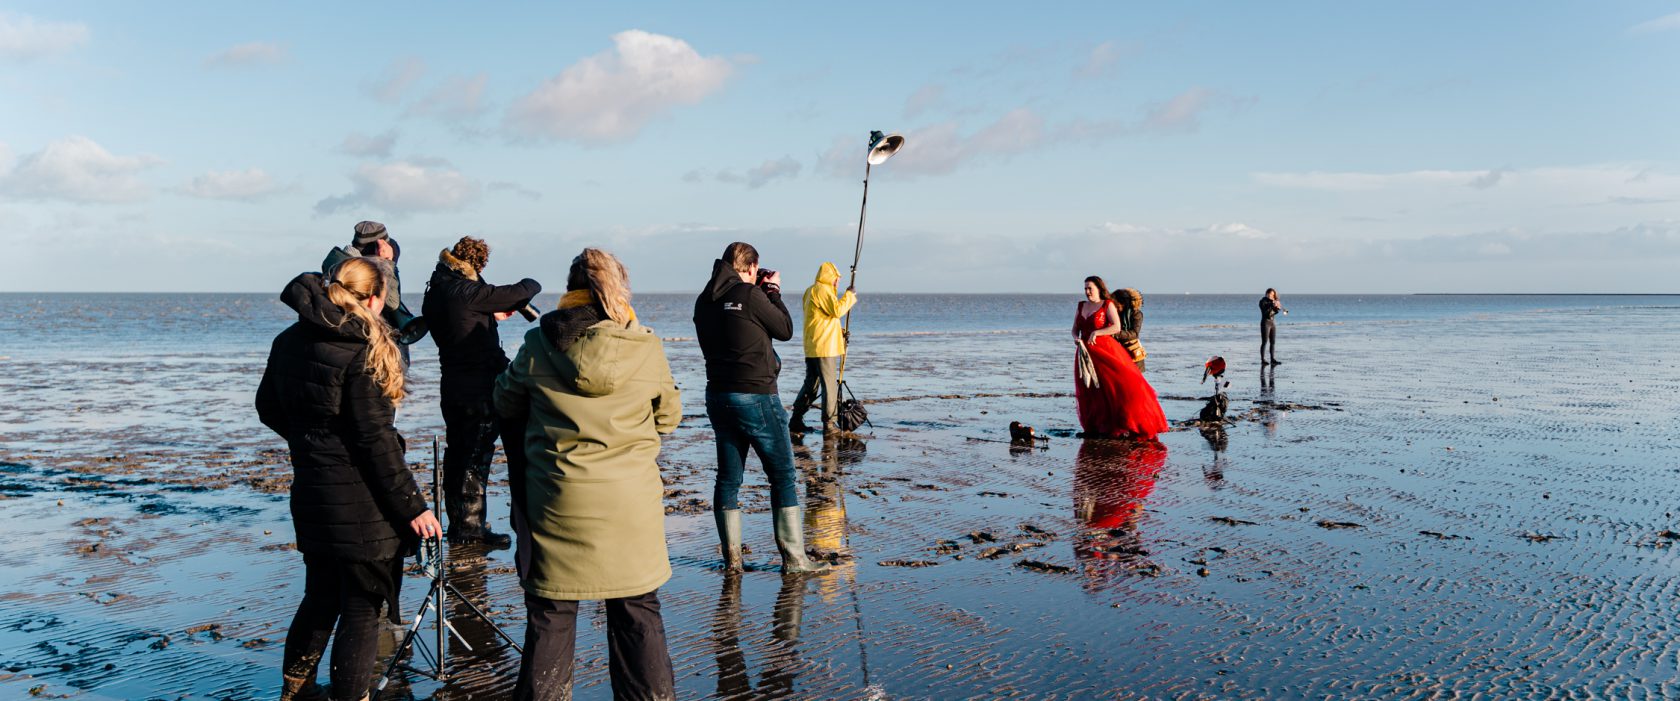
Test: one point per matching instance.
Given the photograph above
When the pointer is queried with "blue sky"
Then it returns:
(1184, 147)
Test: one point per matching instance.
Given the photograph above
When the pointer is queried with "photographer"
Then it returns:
(1270, 307)
(736, 321)
(330, 389)
(371, 240)
(462, 311)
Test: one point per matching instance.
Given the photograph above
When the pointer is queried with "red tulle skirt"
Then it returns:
(1123, 404)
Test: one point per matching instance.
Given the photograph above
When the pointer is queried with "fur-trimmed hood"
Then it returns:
(449, 261)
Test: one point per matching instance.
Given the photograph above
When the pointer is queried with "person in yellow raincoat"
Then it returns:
(825, 343)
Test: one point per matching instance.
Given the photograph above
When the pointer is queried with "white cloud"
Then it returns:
(405, 186)
(1665, 23)
(76, 169)
(376, 146)
(250, 184)
(23, 37)
(611, 96)
(1368, 182)
(1489, 179)
(395, 80)
(251, 54)
(457, 99)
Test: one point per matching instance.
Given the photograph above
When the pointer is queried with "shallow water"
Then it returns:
(1434, 496)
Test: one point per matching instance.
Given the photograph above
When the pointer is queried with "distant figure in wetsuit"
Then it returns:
(1269, 307)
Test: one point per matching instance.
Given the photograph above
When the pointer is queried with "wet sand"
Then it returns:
(1479, 505)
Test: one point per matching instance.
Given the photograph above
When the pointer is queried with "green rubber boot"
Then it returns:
(729, 537)
(790, 540)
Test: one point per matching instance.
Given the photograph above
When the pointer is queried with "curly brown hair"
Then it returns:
(473, 252)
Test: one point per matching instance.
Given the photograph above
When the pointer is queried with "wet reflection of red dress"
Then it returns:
(1111, 481)
(1122, 404)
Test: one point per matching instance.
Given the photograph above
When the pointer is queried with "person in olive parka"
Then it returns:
(594, 393)
(461, 310)
(330, 389)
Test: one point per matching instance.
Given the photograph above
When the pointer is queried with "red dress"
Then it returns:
(1122, 405)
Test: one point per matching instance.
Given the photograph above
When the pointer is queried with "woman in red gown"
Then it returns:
(1114, 399)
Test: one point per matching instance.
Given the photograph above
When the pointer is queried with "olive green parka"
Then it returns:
(593, 500)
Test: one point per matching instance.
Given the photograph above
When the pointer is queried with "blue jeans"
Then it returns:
(757, 421)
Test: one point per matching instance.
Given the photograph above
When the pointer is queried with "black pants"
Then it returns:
(821, 376)
(637, 656)
(1268, 337)
(471, 428)
(331, 596)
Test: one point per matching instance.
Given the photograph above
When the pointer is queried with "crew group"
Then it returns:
(580, 410)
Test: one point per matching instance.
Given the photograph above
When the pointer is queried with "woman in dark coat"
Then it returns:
(330, 389)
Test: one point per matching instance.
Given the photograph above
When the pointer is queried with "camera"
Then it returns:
(764, 275)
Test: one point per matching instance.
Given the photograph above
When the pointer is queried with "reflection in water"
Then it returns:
(1218, 441)
(825, 506)
(1111, 480)
(1269, 417)
(781, 656)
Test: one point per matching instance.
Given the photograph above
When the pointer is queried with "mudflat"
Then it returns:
(1475, 498)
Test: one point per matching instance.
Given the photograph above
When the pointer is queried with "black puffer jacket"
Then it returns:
(736, 322)
(352, 494)
(458, 308)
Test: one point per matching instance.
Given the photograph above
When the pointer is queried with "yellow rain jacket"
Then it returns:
(822, 315)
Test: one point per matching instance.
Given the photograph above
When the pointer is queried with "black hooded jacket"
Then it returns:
(352, 493)
(459, 309)
(735, 322)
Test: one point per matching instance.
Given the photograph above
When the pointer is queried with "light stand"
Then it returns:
(881, 148)
(434, 561)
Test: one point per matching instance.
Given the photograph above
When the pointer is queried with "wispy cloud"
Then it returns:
(1181, 113)
(764, 173)
(610, 96)
(457, 99)
(249, 184)
(925, 98)
(395, 80)
(363, 145)
(515, 189)
(1103, 58)
(23, 38)
(1665, 23)
(251, 54)
(76, 169)
(405, 186)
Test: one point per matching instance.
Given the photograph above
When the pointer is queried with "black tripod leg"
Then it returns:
(405, 646)
(484, 617)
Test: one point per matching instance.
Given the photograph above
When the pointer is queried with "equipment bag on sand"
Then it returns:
(852, 414)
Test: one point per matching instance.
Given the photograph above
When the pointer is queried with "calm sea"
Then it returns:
(76, 324)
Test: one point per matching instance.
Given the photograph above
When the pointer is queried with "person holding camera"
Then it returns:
(462, 310)
(331, 388)
(592, 390)
(737, 317)
(370, 239)
(825, 343)
(1270, 307)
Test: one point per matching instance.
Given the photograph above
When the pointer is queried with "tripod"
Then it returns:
(433, 559)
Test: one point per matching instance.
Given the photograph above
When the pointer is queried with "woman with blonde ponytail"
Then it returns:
(589, 395)
(331, 388)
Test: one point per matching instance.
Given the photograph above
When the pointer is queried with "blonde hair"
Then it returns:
(355, 281)
(600, 272)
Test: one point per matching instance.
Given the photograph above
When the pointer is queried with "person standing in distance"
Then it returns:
(736, 322)
(1270, 307)
(825, 343)
(371, 239)
(462, 310)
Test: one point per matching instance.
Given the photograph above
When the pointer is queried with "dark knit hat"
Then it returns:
(367, 232)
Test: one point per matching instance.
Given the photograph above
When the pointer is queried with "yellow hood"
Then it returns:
(828, 274)
(823, 310)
